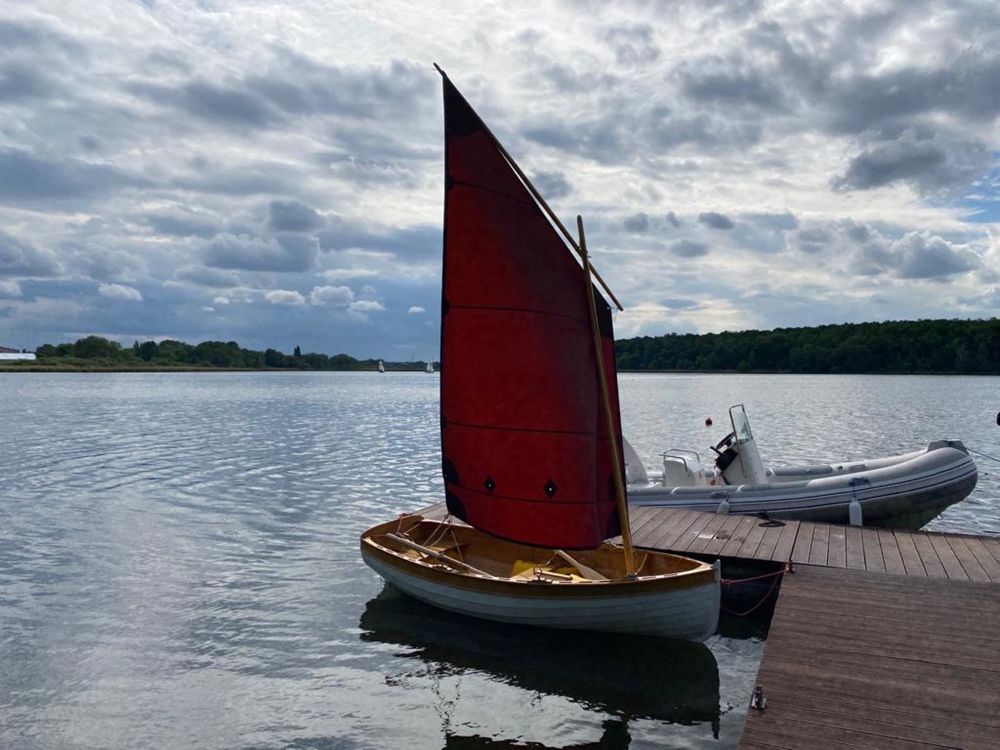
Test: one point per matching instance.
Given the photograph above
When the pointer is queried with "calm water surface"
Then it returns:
(179, 565)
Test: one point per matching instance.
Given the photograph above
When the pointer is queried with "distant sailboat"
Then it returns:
(529, 393)
(430, 367)
(381, 367)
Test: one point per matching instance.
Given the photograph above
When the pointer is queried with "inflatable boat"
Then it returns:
(904, 491)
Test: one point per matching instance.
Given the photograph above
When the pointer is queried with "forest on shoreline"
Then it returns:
(966, 347)
(98, 353)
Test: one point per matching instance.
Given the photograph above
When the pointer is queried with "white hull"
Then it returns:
(903, 491)
(689, 614)
(672, 596)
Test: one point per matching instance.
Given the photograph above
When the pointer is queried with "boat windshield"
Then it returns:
(741, 425)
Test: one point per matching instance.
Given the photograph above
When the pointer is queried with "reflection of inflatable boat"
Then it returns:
(904, 491)
(628, 676)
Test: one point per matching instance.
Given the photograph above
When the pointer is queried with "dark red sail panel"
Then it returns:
(526, 454)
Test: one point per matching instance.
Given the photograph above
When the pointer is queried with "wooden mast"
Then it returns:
(541, 201)
(606, 402)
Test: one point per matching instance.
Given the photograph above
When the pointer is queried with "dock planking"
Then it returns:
(862, 659)
(916, 554)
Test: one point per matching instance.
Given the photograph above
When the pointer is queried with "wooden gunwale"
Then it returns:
(699, 574)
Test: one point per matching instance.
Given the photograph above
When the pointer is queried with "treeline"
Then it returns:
(95, 352)
(920, 346)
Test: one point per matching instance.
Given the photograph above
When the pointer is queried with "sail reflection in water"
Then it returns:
(627, 677)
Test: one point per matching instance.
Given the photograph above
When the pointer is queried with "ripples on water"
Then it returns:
(179, 565)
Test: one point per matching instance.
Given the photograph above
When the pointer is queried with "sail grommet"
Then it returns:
(490, 484)
(550, 488)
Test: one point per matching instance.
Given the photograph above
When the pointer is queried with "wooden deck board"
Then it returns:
(928, 556)
(753, 539)
(985, 559)
(855, 548)
(723, 534)
(969, 563)
(863, 659)
(708, 534)
(908, 551)
(767, 544)
(890, 552)
(786, 542)
(836, 556)
(671, 526)
(690, 535)
(952, 567)
(745, 526)
(820, 547)
(873, 549)
(803, 543)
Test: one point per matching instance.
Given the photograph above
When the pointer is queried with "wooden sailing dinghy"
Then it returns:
(528, 394)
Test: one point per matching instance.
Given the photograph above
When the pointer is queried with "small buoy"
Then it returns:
(723, 508)
(708, 421)
(854, 513)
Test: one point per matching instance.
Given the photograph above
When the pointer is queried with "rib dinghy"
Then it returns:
(904, 491)
(528, 388)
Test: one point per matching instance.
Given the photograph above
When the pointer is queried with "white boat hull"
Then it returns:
(688, 612)
(903, 491)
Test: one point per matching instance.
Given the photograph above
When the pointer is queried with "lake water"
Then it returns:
(179, 563)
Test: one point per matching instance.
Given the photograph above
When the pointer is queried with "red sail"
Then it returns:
(526, 454)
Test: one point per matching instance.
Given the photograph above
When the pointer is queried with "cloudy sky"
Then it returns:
(271, 172)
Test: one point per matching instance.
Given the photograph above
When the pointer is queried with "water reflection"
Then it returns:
(626, 677)
(615, 737)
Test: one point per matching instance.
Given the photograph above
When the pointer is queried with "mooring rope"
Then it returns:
(984, 455)
(786, 568)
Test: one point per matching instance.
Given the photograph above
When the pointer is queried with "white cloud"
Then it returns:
(220, 301)
(285, 297)
(343, 274)
(331, 296)
(9, 289)
(117, 291)
(366, 305)
(416, 310)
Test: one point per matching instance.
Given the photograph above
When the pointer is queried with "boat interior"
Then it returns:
(469, 550)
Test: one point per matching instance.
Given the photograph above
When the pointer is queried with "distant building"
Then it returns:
(6, 353)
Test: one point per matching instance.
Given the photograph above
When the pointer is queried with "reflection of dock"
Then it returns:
(880, 638)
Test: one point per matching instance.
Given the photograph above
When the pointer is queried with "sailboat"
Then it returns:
(381, 367)
(528, 393)
(430, 368)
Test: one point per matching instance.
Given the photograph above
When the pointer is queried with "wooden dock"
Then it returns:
(855, 659)
(920, 554)
(880, 639)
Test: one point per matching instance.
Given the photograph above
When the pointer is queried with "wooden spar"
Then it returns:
(586, 572)
(606, 401)
(436, 555)
(552, 215)
(545, 206)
